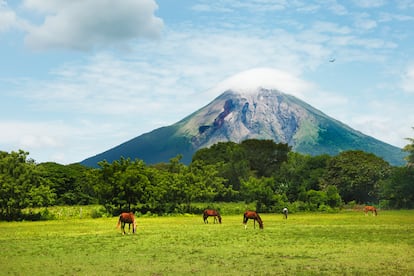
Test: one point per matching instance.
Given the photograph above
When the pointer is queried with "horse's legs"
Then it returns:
(123, 227)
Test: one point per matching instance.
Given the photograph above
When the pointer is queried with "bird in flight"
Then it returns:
(332, 60)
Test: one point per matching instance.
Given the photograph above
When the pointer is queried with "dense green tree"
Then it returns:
(290, 175)
(357, 175)
(333, 197)
(301, 173)
(69, 182)
(237, 162)
(265, 156)
(219, 152)
(114, 185)
(186, 184)
(21, 185)
(398, 189)
(315, 199)
(259, 190)
(231, 163)
(160, 195)
(264, 191)
(132, 183)
(208, 183)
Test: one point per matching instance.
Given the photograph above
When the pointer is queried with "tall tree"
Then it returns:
(398, 189)
(265, 156)
(302, 173)
(357, 175)
(119, 183)
(21, 185)
(69, 182)
(231, 163)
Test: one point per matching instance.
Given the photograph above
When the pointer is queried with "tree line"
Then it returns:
(259, 171)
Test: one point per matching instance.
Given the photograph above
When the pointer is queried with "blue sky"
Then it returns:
(79, 77)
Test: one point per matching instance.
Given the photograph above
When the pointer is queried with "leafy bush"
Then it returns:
(99, 212)
(45, 214)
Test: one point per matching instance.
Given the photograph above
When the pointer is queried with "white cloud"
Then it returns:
(268, 78)
(330, 27)
(232, 5)
(31, 135)
(369, 3)
(405, 4)
(61, 141)
(336, 8)
(8, 17)
(363, 21)
(88, 24)
(389, 122)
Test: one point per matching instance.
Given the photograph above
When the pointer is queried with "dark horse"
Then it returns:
(254, 216)
(370, 209)
(211, 213)
(125, 218)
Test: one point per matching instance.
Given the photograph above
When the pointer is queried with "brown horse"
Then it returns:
(254, 216)
(370, 209)
(125, 218)
(211, 213)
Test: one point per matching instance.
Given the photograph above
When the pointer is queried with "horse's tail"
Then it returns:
(134, 226)
(119, 222)
(244, 218)
(205, 216)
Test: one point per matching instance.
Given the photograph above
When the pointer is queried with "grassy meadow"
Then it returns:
(345, 243)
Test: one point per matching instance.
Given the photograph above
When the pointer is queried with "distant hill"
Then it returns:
(259, 114)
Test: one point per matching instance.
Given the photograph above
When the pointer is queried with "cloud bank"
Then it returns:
(89, 24)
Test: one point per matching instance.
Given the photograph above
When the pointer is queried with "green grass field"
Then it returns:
(347, 243)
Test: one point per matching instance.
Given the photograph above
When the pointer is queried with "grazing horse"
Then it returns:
(211, 213)
(370, 209)
(125, 218)
(285, 212)
(254, 216)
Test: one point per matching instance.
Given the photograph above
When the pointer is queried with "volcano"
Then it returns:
(254, 113)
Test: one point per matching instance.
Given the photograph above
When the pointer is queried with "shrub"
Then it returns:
(99, 212)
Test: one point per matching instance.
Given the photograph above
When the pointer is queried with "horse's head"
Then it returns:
(219, 218)
(261, 224)
(260, 221)
(134, 226)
